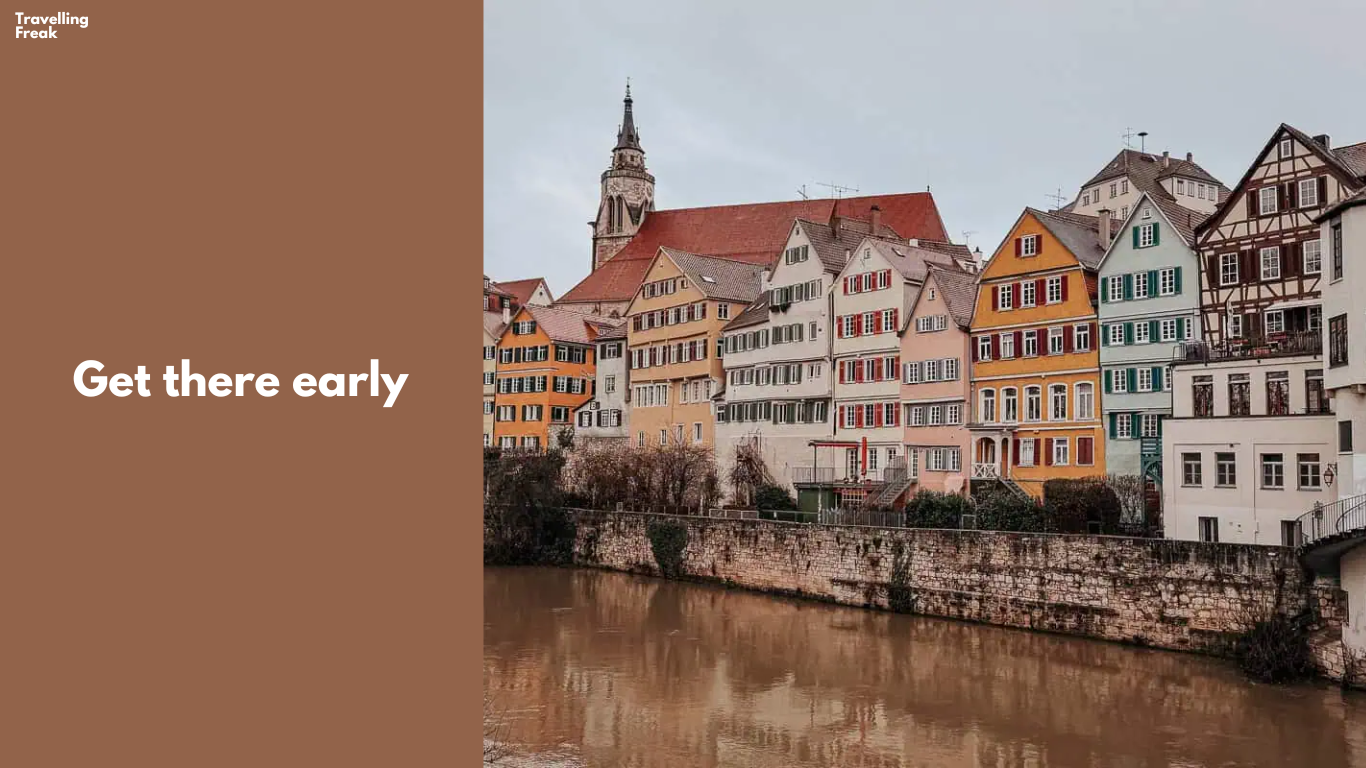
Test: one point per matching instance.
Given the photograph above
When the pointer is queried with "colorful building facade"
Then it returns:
(935, 350)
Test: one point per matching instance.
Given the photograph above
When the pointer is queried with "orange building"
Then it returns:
(545, 371)
(1035, 359)
(675, 326)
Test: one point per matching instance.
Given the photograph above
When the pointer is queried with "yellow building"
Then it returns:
(1035, 360)
(675, 321)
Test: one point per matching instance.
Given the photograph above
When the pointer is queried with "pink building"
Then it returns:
(934, 389)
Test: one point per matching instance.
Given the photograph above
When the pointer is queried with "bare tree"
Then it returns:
(1130, 490)
(748, 473)
(494, 748)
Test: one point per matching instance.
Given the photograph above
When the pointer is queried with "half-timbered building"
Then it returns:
(1261, 255)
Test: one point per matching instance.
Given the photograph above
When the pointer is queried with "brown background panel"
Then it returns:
(241, 581)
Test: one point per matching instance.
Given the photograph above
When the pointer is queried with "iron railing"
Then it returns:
(1325, 520)
(813, 474)
(1274, 345)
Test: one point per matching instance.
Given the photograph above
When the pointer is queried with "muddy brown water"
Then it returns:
(592, 668)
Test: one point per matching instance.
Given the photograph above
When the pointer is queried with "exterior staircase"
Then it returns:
(983, 486)
(895, 481)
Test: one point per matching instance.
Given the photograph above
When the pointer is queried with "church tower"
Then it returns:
(628, 192)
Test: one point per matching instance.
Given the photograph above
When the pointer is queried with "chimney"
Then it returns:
(1190, 158)
(847, 253)
(875, 215)
(507, 314)
(1322, 139)
(1166, 158)
(1104, 215)
(763, 278)
(914, 242)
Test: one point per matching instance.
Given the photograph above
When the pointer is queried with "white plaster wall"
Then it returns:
(1353, 571)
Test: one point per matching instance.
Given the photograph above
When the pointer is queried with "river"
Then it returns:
(592, 668)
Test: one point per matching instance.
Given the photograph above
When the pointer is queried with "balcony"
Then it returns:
(985, 471)
(831, 475)
(1287, 344)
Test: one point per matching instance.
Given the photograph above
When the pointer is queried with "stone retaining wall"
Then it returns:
(1178, 595)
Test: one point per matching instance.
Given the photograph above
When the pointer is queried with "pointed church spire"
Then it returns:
(627, 138)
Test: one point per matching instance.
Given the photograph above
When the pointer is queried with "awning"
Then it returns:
(1294, 304)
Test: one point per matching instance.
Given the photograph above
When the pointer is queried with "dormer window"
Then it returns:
(1027, 245)
(1287, 149)
(1147, 212)
(1124, 186)
(1180, 186)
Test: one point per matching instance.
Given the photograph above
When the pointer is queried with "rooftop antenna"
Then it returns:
(968, 233)
(1058, 198)
(1129, 138)
(1143, 142)
(837, 189)
(802, 191)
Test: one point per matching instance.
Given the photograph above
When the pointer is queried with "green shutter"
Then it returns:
(1135, 426)
(1160, 419)
(1104, 335)
(1113, 421)
(1128, 287)
(1104, 291)
(1107, 381)
(1132, 375)
(1178, 281)
(1157, 237)
(1154, 331)
(1157, 379)
(1180, 326)
(1134, 232)
(1152, 283)
(1128, 331)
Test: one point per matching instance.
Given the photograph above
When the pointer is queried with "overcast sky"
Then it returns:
(993, 105)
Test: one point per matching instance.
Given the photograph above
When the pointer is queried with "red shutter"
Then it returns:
(858, 416)
(1290, 259)
(896, 318)
(858, 325)
(1252, 204)
(972, 342)
(1015, 452)
(1040, 296)
(846, 293)
(1065, 281)
(896, 417)
(1019, 343)
(1212, 271)
(1019, 247)
(1282, 196)
(1015, 295)
(995, 347)
(1047, 452)
(1094, 337)
(877, 415)
(1085, 450)
(995, 299)
(1067, 338)
(877, 369)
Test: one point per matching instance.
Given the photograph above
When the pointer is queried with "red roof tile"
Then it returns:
(753, 233)
(521, 290)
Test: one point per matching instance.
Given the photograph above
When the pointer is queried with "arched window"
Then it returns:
(1033, 404)
(621, 214)
(611, 214)
(1086, 399)
(1010, 405)
(1057, 402)
(987, 399)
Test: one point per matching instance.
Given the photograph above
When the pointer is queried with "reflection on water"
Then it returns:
(607, 669)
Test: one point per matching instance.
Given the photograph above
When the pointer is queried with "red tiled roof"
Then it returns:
(521, 290)
(753, 233)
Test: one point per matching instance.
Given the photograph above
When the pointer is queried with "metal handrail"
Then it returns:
(1327, 520)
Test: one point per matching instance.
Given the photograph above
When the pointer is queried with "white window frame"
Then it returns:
(1310, 200)
(1056, 332)
(1029, 245)
(1274, 321)
(1004, 296)
(1235, 326)
(1141, 332)
(984, 349)
(1062, 451)
(1007, 345)
(1083, 393)
(1053, 282)
(1027, 293)
(1317, 262)
(1148, 425)
(1147, 234)
(983, 397)
(1228, 269)
(1033, 405)
(1123, 426)
(1145, 379)
(1140, 281)
(1116, 333)
(1116, 290)
(1287, 149)
(1026, 453)
(1262, 254)
(1165, 325)
(1266, 203)
(1081, 337)
(1054, 390)
(1010, 405)
(1166, 281)
(1119, 381)
(1029, 343)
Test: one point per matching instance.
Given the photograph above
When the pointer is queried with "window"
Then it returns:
(1274, 321)
(1145, 379)
(1166, 281)
(1054, 286)
(888, 321)
(1033, 404)
(1119, 380)
(1225, 470)
(1081, 337)
(1124, 186)
(988, 400)
(1124, 426)
(1287, 149)
(559, 414)
(1055, 341)
(1291, 533)
(1235, 326)
(1169, 329)
(1140, 285)
(489, 352)
(488, 407)
(1310, 474)
(609, 384)
(1345, 436)
(1026, 453)
(936, 414)
(1061, 447)
(1115, 289)
(1086, 451)
(723, 311)
(848, 325)
(1202, 395)
(1180, 186)
(869, 322)
(1010, 406)
(1337, 341)
(1124, 212)
(1027, 293)
(1191, 470)
(1149, 425)
(1228, 269)
(1209, 529)
(1200, 191)
(1007, 345)
(1271, 263)
(488, 378)
(1029, 245)
(1167, 379)
(1312, 252)
(1266, 198)
(1030, 341)
(1086, 400)
(1116, 331)
(663, 437)
(1114, 186)
(1003, 296)
(983, 347)
(1147, 235)
(1057, 402)
(1337, 250)
(1141, 333)
(953, 414)
(697, 426)
(1314, 400)
(1239, 397)
(1273, 471)
(1309, 193)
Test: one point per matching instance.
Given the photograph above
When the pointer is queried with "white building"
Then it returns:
(606, 416)
(1344, 238)
(1244, 455)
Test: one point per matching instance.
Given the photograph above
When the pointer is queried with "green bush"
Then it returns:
(668, 539)
(773, 497)
(524, 522)
(1275, 650)
(1081, 506)
(931, 509)
(1002, 510)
